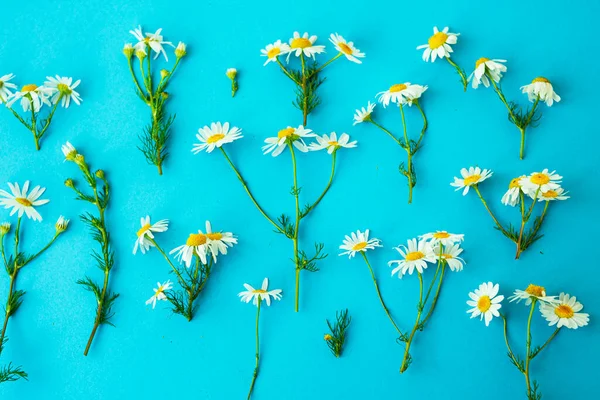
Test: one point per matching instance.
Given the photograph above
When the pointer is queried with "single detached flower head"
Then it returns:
(261, 294)
(304, 44)
(274, 50)
(414, 256)
(541, 88)
(153, 40)
(215, 136)
(485, 302)
(332, 143)
(296, 136)
(6, 87)
(145, 234)
(159, 293)
(346, 48)
(470, 177)
(196, 244)
(511, 197)
(450, 254)
(363, 114)
(401, 93)
(22, 202)
(218, 242)
(438, 44)
(31, 96)
(443, 237)
(565, 312)
(540, 182)
(61, 224)
(485, 67)
(358, 242)
(551, 195)
(532, 292)
(63, 88)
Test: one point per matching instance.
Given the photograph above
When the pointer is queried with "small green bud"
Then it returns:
(164, 73)
(100, 174)
(69, 183)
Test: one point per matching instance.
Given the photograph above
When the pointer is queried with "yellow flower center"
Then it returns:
(300, 43)
(441, 235)
(63, 88)
(29, 88)
(481, 61)
(143, 229)
(214, 236)
(535, 290)
(23, 201)
(259, 291)
(540, 79)
(287, 132)
(359, 246)
(484, 303)
(274, 52)
(540, 179)
(437, 40)
(551, 194)
(514, 183)
(414, 255)
(564, 311)
(447, 256)
(333, 143)
(328, 337)
(196, 239)
(345, 48)
(215, 138)
(397, 87)
(471, 180)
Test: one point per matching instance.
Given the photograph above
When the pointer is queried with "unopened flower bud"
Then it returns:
(164, 73)
(4, 228)
(61, 225)
(181, 50)
(231, 73)
(69, 183)
(100, 174)
(128, 50)
(140, 54)
(327, 337)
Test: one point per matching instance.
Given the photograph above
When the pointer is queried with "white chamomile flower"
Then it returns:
(532, 292)
(541, 88)
(261, 294)
(296, 136)
(450, 254)
(485, 302)
(63, 88)
(540, 182)
(196, 244)
(565, 312)
(215, 136)
(218, 241)
(154, 40)
(22, 202)
(414, 256)
(363, 114)
(358, 242)
(332, 143)
(551, 195)
(470, 177)
(31, 96)
(61, 224)
(145, 235)
(159, 293)
(443, 237)
(346, 48)
(438, 45)
(304, 44)
(401, 93)
(274, 50)
(485, 67)
(6, 86)
(69, 151)
(512, 197)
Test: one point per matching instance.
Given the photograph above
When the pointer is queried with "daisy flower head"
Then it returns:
(296, 136)
(63, 88)
(31, 96)
(540, 182)
(438, 44)
(304, 44)
(61, 224)
(159, 293)
(153, 40)
(532, 292)
(145, 235)
(261, 294)
(443, 237)
(22, 202)
(332, 143)
(218, 242)
(484, 68)
(556, 194)
(6, 87)
(358, 242)
(541, 88)
(346, 48)
(69, 151)
(485, 302)
(274, 50)
(215, 135)
(363, 114)
(511, 197)
(196, 244)
(470, 177)
(414, 256)
(401, 93)
(565, 312)
(450, 254)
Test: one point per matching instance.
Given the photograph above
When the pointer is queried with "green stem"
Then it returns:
(135, 80)
(49, 119)
(255, 374)
(525, 219)
(309, 209)
(390, 134)
(463, 77)
(437, 291)
(322, 67)
(304, 96)
(297, 227)
(161, 251)
(425, 124)
(409, 174)
(546, 343)
(21, 120)
(528, 347)
(476, 188)
(286, 72)
(510, 352)
(405, 359)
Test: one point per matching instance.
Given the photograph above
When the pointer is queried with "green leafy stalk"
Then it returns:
(461, 73)
(336, 337)
(36, 125)
(9, 373)
(257, 354)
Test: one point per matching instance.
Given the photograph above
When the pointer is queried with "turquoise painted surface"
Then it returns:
(152, 353)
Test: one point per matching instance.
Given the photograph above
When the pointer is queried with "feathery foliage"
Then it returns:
(336, 338)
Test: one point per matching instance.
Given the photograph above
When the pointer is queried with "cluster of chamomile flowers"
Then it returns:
(33, 97)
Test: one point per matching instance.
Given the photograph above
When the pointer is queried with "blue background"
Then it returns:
(154, 353)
